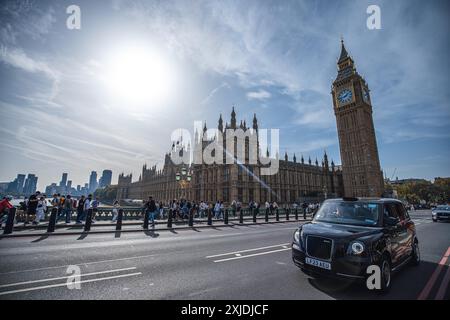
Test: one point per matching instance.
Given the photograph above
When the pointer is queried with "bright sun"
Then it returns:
(139, 75)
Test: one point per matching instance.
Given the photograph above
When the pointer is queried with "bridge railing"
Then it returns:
(168, 218)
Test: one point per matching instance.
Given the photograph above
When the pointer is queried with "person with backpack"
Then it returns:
(150, 207)
(32, 206)
(67, 208)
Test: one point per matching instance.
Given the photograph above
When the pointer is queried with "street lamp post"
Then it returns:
(184, 178)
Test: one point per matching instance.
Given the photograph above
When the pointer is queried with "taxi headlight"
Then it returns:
(357, 247)
(297, 236)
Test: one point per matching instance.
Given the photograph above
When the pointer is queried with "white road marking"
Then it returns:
(247, 250)
(251, 255)
(79, 264)
(65, 277)
(72, 283)
(237, 254)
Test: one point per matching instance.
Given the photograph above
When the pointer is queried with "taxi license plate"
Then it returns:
(318, 263)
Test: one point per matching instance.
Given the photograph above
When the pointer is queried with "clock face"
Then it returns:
(366, 95)
(345, 96)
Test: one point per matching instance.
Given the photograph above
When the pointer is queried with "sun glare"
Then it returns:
(139, 76)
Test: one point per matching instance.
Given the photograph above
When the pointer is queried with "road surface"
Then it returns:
(240, 262)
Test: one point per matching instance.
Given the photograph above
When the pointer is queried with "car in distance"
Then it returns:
(348, 235)
(440, 213)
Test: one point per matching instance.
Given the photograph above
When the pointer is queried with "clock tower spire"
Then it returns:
(357, 141)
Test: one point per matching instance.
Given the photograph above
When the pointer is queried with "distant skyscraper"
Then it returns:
(106, 178)
(30, 184)
(20, 182)
(63, 182)
(16, 186)
(93, 181)
(78, 188)
(69, 185)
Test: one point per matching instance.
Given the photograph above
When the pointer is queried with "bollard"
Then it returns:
(241, 216)
(304, 214)
(296, 214)
(277, 215)
(287, 213)
(225, 218)
(52, 220)
(209, 217)
(87, 225)
(267, 215)
(145, 226)
(119, 220)
(10, 221)
(169, 219)
(255, 210)
(191, 218)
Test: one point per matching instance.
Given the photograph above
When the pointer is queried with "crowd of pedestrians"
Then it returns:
(36, 206)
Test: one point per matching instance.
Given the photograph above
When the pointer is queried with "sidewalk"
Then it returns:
(136, 226)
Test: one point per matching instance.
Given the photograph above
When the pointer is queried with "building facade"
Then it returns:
(296, 180)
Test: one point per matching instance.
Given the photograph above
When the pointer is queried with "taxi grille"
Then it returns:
(319, 247)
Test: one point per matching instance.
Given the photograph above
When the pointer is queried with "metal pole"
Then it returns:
(241, 216)
(169, 219)
(209, 217)
(225, 219)
(145, 219)
(277, 215)
(255, 210)
(191, 218)
(266, 217)
(10, 221)
(52, 220)
(287, 213)
(119, 220)
(87, 225)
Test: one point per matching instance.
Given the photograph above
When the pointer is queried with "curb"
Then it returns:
(82, 232)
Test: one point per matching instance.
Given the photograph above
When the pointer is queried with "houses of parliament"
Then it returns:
(297, 180)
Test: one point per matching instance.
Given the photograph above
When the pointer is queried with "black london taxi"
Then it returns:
(348, 235)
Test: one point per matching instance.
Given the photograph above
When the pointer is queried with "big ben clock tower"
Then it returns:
(358, 145)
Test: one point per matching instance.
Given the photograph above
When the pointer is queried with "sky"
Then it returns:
(69, 103)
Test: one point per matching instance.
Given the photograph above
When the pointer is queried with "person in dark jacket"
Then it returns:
(150, 209)
(80, 209)
(32, 206)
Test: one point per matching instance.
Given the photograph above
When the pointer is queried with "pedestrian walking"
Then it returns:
(80, 209)
(40, 210)
(67, 208)
(151, 209)
(32, 206)
(115, 211)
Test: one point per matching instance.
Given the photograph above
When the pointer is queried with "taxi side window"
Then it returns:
(401, 211)
(390, 210)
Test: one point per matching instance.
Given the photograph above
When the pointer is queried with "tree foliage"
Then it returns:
(107, 193)
(415, 192)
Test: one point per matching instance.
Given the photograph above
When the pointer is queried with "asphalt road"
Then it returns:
(240, 262)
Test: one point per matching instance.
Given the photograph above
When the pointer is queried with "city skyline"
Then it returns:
(282, 73)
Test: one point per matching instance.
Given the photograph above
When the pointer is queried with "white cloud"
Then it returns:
(19, 59)
(258, 95)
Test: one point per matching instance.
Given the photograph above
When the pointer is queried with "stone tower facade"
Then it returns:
(362, 176)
